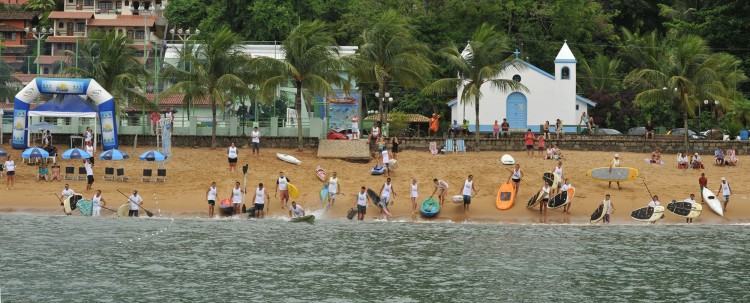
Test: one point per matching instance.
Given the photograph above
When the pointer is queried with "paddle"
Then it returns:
(245, 168)
(61, 203)
(148, 213)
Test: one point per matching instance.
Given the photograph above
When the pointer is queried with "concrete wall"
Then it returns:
(221, 141)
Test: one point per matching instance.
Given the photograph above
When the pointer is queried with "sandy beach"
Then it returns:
(191, 170)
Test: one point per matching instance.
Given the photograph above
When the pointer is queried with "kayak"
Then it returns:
(430, 208)
(308, 219)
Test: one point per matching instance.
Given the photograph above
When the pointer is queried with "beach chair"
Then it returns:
(70, 173)
(460, 146)
(161, 175)
(109, 174)
(81, 173)
(450, 146)
(433, 148)
(147, 173)
(120, 175)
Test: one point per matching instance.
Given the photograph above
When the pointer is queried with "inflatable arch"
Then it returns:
(66, 86)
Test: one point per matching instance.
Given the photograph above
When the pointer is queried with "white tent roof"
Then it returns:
(61, 114)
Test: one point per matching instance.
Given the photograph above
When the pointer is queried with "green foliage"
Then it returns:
(186, 13)
(41, 5)
(397, 122)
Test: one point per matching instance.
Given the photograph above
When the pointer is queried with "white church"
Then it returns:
(549, 97)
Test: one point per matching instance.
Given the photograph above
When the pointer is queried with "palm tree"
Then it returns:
(601, 75)
(389, 52)
(685, 73)
(212, 72)
(108, 58)
(311, 63)
(480, 63)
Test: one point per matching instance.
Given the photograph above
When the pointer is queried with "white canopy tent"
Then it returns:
(68, 106)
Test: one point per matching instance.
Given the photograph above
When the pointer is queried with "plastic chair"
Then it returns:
(161, 175)
(109, 174)
(70, 173)
(147, 173)
(450, 146)
(120, 175)
(81, 173)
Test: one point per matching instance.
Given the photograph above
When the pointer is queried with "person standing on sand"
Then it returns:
(255, 140)
(355, 128)
(703, 183)
(609, 207)
(67, 192)
(725, 191)
(691, 200)
(211, 197)
(468, 190)
(260, 200)
(565, 186)
(385, 158)
(614, 164)
(386, 191)
(516, 176)
(654, 203)
(237, 198)
(89, 173)
(558, 129)
(496, 130)
(333, 189)
(413, 194)
(394, 147)
(528, 140)
(296, 211)
(96, 203)
(441, 188)
(136, 202)
(540, 145)
(545, 130)
(10, 172)
(434, 124)
(545, 198)
(232, 156)
(282, 188)
(361, 203)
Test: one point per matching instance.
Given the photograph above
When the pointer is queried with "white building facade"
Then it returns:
(549, 97)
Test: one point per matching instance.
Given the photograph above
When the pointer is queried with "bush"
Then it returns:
(398, 123)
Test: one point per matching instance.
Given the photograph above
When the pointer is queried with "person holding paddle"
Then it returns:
(97, 202)
(136, 202)
(67, 192)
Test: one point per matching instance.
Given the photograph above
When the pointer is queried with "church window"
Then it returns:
(565, 73)
(517, 78)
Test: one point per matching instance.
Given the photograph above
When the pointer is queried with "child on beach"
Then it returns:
(232, 156)
(656, 157)
(614, 164)
(441, 188)
(413, 194)
(725, 191)
(528, 140)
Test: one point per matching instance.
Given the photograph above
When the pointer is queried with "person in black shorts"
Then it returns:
(394, 147)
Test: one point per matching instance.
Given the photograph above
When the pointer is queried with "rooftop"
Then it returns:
(70, 15)
(565, 55)
(125, 21)
(17, 15)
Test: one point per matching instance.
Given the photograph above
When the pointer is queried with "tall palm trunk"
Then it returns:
(685, 125)
(298, 109)
(213, 122)
(476, 119)
(381, 108)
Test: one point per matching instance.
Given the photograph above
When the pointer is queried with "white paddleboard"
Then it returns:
(656, 215)
(713, 202)
(507, 159)
(457, 199)
(288, 158)
(122, 211)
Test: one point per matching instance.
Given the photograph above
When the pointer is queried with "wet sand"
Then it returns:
(191, 170)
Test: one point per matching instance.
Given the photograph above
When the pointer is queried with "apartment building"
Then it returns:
(13, 35)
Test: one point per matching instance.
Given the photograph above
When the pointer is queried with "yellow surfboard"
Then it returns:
(615, 174)
(293, 191)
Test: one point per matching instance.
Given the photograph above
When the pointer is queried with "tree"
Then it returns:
(212, 72)
(389, 53)
(311, 62)
(41, 5)
(484, 58)
(108, 58)
(685, 73)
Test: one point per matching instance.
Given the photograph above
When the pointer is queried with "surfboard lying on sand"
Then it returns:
(321, 173)
(457, 199)
(713, 203)
(598, 214)
(685, 209)
(288, 158)
(293, 191)
(648, 214)
(561, 199)
(506, 196)
(534, 199)
(507, 159)
(615, 174)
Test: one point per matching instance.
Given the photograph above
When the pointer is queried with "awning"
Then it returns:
(68, 106)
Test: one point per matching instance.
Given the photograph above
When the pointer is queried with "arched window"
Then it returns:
(565, 73)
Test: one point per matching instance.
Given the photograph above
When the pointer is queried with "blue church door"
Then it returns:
(516, 110)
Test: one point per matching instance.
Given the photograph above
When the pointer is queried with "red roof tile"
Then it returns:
(17, 15)
(51, 59)
(26, 78)
(123, 21)
(64, 39)
(70, 15)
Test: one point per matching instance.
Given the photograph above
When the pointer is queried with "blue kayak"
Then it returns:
(430, 208)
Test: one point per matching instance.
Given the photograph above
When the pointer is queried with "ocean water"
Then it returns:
(77, 259)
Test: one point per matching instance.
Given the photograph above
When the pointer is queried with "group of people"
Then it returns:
(721, 158)
(135, 201)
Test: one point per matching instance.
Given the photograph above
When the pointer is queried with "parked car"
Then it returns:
(637, 131)
(681, 132)
(607, 132)
(713, 134)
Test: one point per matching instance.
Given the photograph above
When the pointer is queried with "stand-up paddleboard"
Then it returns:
(648, 214)
(71, 203)
(548, 178)
(122, 211)
(430, 208)
(457, 199)
(375, 199)
(598, 214)
(685, 209)
(293, 191)
(288, 158)
(392, 164)
(506, 196)
(351, 213)
(534, 199)
(321, 173)
(324, 195)
(507, 159)
(713, 203)
(308, 219)
(555, 180)
(86, 207)
(615, 174)
(377, 170)
(561, 199)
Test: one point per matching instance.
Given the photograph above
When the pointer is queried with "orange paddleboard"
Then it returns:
(505, 196)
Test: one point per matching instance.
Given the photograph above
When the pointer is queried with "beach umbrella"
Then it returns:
(34, 153)
(152, 155)
(75, 153)
(3, 153)
(114, 155)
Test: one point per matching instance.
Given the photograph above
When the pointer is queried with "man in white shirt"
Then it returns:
(89, 174)
(691, 200)
(136, 202)
(654, 202)
(296, 211)
(67, 192)
(282, 188)
(88, 136)
(255, 140)
(10, 172)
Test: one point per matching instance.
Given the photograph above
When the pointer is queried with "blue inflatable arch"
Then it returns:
(66, 86)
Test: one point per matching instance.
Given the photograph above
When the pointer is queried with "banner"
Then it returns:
(341, 109)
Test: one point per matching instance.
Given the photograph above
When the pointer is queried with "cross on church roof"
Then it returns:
(517, 53)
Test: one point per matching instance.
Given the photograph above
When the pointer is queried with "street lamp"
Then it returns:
(705, 102)
(386, 99)
(39, 34)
